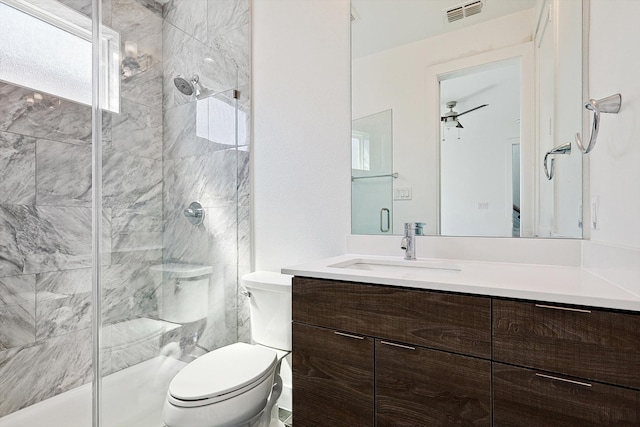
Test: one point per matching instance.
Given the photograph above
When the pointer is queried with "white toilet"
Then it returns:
(238, 385)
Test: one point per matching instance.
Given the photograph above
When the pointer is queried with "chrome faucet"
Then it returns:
(408, 241)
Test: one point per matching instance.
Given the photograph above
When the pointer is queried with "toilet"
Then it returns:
(238, 385)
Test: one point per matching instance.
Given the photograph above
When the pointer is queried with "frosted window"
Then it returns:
(35, 52)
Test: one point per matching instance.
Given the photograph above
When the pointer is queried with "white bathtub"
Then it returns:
(132, 397)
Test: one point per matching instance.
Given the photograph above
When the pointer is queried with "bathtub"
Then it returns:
(131, 397)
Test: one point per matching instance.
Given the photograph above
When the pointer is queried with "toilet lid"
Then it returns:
(222, 371)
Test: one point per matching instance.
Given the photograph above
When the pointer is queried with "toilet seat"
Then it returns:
(222, 374)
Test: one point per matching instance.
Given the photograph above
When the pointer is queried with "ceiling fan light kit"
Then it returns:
(450, 119)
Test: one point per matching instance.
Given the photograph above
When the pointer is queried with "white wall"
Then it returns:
(614, 249)
(614, 60)
(301, 130)
(407, 66)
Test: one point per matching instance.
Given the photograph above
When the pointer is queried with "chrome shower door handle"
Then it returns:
(385, 227)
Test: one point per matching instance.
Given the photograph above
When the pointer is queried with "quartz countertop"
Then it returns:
(558, 284)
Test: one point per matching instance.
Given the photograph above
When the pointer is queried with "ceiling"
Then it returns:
(385, 24)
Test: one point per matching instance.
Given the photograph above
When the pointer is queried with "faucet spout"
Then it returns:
(404, 243)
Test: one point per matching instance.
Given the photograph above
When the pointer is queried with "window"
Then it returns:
(360, 154)
(48, 48)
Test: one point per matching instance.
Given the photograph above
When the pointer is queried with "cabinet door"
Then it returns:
(420, 387)
(525, 397)
(332, 378)
(581, 342)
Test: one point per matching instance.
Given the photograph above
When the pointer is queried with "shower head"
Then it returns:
(186, 87)
(189, 87)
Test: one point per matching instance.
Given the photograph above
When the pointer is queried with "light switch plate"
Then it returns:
(402, 193)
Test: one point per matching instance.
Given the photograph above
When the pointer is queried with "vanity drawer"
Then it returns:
(452, 322)
(525, 397)
(595, 344)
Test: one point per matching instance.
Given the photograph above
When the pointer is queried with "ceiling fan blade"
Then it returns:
(459, 126)
(473, 109)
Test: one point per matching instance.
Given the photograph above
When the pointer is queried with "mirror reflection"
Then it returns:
(453, 117)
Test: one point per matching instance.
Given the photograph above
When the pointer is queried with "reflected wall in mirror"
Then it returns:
(480, 174)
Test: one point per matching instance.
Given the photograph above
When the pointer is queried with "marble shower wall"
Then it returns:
(45, 218)
(45, 250)
(202, 163)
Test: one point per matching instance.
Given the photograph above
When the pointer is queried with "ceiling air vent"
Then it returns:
(464, 10)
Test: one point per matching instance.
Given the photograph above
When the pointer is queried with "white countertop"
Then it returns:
(559, 284)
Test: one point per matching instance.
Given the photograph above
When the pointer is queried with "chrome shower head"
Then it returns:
(186, 87)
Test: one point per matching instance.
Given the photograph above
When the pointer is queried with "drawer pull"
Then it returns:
(342, 334)
(563, 379)
(393, 344)
(553, 307)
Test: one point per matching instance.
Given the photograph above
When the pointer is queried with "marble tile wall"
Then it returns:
(45, 255)
(209, 38)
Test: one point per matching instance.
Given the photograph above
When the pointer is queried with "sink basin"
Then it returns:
(405, 269)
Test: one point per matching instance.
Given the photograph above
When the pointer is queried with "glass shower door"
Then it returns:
(372, 174)
(175, 175)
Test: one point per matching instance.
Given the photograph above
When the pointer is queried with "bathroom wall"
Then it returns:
(614, 249)
(301, 155)
(209, 38)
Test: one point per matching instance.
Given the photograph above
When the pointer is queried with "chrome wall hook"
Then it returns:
(610, 104)
(560, 149)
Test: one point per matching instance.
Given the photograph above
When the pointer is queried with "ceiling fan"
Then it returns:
(450, 119)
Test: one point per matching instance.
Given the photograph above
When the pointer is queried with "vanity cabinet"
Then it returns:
(376, 355)
(428, 356)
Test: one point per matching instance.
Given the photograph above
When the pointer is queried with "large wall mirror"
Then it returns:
(464, 116)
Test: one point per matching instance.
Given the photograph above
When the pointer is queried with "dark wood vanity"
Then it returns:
(376, 355)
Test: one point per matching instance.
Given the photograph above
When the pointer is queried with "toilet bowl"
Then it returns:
(239, 384)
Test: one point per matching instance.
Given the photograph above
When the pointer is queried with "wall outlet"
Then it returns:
(402, 193)
(483, 205)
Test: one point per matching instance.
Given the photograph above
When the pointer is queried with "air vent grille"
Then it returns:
(464, 10)
(455, 14)
(473, 8)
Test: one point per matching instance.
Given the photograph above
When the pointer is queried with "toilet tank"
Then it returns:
(184, 291)
(270, 305)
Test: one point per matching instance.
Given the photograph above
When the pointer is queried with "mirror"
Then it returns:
(473, 97)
